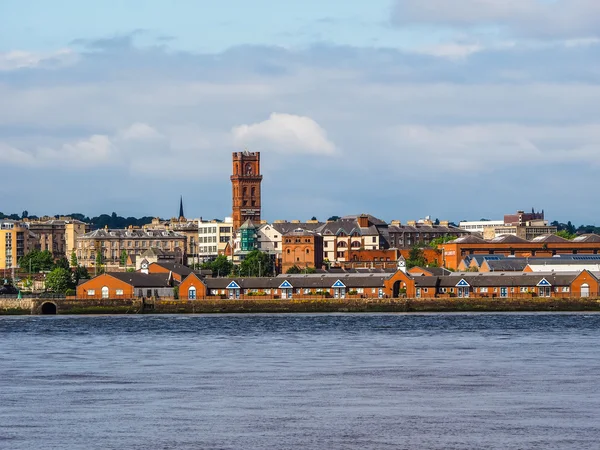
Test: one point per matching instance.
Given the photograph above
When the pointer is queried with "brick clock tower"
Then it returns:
(245, 184)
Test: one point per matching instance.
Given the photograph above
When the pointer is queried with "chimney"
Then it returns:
(444, 223)
(396, 223)
(363, 221)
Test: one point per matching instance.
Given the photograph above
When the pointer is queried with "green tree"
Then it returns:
(293, 269)
(566, 234)
(416, 257)
(37, 261)
(222, 266)
(123, 258)
(62, 262)
(74, 262)
(256, 264)
(99, 261)
(59, 280)
(441, 240)
(80, 273)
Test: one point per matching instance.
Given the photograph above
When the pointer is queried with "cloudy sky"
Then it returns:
(456, 109)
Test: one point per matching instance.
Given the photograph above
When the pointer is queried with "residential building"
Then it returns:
(349, 233)
(57, 236)
(420, 232)
(189, 228)
(112, 243)
(16, 240)
(246, 184)
(303, 249)
(213, 238)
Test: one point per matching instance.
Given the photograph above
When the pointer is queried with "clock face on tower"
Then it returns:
(401, 263)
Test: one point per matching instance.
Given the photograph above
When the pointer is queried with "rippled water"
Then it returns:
(452, 381)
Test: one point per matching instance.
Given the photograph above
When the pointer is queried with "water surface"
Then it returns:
(339, 381)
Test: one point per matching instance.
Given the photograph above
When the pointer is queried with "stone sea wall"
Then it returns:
(211, 306)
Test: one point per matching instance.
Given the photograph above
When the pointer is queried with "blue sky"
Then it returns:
(406, 108)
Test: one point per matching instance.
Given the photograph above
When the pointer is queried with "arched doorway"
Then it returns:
(396, 289)
(585, 290)
(48, 308)
(192, 293)
(105, 292)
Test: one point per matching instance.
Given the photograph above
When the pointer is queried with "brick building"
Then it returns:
(542, 246)
(303, 249)
(246, 184)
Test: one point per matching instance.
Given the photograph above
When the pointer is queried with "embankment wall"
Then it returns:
(211, 306)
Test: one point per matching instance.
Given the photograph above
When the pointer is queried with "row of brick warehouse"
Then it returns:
(162, 282)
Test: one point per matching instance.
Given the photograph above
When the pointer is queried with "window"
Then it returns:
(565, 289)
(91, 292)
(119, 292)
(483, 290)
(374, 239)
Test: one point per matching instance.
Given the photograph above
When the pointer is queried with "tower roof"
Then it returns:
(181, 207)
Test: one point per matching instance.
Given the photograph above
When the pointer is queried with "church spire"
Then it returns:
(181, 215)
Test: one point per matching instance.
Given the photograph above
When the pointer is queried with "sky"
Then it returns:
(458, 110)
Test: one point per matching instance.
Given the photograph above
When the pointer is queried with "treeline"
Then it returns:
(572, 229)
(101, 221)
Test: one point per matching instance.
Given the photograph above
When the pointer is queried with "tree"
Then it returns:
(256, 264)
(416, 257)
(566, 234)
(441, 240)
(220, 266)
(123, 257)
(63, 262)
(313, 218)
(59, 280)
(99, 261)
(25, 214)
(293, 269)
(80, 273)
(74, 262)
(37, 261)
(333, 218)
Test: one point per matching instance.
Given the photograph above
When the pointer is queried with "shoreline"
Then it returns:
(257, 306)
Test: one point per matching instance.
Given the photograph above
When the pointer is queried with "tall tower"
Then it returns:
(245, 184)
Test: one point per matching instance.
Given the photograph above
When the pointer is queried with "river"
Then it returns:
(331, 381)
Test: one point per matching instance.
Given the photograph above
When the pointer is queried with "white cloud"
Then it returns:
(285, 133)
(451, 50)
(492, 147)
(537, 18)
(94, 151)
(18, 59)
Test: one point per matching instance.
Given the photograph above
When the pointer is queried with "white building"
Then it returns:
(479, 226)
(213, 237)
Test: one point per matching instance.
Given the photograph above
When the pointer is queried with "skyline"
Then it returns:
(398, 109)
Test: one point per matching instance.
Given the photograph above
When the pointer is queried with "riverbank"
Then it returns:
(212, 306)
